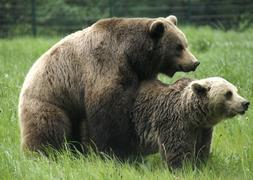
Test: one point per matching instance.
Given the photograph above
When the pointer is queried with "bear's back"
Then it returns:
(155, 98)
(154, 88)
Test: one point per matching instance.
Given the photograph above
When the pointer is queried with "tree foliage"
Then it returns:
(67, 15)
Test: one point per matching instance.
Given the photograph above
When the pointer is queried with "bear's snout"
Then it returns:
(195, 65)
(188, 62)
(245, 105)
(188, 68)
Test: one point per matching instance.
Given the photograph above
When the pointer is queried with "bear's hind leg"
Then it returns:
(43, 125)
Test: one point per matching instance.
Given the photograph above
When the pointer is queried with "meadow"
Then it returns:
(228, 54)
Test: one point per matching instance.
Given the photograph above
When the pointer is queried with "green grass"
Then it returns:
(227, 54)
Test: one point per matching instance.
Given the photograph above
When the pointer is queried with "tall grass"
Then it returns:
(227, 54)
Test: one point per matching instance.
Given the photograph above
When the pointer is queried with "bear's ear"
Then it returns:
(199, 89)
(156, 29)
(172, 19)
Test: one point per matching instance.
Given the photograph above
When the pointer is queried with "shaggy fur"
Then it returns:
(178, 119)
(83, 88)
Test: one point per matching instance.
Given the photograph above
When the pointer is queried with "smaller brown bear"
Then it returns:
(177, 120)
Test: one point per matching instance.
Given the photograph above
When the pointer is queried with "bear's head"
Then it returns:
(172, 47)
(222, 98)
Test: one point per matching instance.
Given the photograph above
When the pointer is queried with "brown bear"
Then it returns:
(83, 88)
(177, 120)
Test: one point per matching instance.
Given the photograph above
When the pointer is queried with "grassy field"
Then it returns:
(227, 54)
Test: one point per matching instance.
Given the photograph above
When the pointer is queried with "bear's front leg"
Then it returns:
(203, 144)
(174, 149)
(84, 136)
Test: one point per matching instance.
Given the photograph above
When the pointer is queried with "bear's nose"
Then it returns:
(196, 64)
(245, 104)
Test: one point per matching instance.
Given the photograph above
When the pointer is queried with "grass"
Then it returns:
(227, 54)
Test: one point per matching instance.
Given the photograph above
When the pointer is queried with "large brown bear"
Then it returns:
(178, 119)
(82, 89)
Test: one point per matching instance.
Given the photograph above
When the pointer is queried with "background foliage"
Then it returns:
(49, 17)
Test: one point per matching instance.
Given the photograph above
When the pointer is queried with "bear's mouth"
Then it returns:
(186, 69)
(170, 72)
(241, 112)
(234, 113)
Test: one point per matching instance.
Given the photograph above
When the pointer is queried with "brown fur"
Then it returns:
(177, 120)
(83, 88)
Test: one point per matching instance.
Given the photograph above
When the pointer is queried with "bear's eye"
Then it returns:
(228, 94)
(179, 47)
